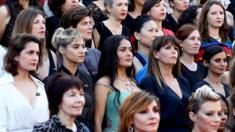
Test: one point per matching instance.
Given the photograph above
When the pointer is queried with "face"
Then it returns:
(192, 43)
(85, 27)
(72, 102)
(148, 119)
(38, 27)
(124, 53)
(215, 16)
(70, 4)
(147, 33)
(119, 9)
(29, 57)
(158, 11)
(167, 55)
(180, 5)
(224, 115)
(208, 117)
(74, 52)
(218, 63)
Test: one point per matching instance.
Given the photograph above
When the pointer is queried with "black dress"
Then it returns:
(97, 14)
(203, 82)
(52, 23)
(105, 33)
(173, 113)
(194, 76)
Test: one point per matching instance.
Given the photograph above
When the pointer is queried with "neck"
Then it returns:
(72, 67)
(166, 70)
(22, 75)
(121, 73)
(213, 32)
(176, 15)
(114, 22)
(159, 24)
(143, 49)
(195, 129)
(24, 3)
(66, 120)
(137, 10)
(213, 78)
(186, 58)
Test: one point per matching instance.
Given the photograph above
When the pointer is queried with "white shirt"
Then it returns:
(16, 113)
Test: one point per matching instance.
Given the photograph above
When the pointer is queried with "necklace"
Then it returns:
(129, 86)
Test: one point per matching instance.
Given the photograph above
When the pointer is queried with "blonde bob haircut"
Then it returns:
(133, 104)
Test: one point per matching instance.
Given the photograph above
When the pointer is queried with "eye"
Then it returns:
(156, 109)
(209, 113)
(143, 111)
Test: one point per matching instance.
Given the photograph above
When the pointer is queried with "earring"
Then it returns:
(131, 129)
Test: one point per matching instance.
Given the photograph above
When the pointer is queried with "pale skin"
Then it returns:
(114, 21)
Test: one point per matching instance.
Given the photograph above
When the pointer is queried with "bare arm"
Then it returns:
(4, 19)
(96, 38)
(101, 94)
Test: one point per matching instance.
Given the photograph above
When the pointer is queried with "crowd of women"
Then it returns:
(117, 66)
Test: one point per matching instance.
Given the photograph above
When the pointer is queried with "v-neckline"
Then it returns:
(24, 98)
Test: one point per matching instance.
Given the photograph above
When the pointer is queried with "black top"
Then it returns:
(55, 125)
(52, 67)
(129, 22)
(105, 33)
(173, 113)
(194, 76)
(170, 23)
(88, 110)
(52, 23)
(203, 82)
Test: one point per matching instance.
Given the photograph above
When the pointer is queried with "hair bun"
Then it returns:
(55, 36)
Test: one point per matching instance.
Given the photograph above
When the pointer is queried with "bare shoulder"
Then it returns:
(104, 80)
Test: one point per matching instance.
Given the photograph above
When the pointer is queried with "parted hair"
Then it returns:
(133, 104)
(16, 45)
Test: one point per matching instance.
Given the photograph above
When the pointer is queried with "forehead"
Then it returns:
(210, 106)
(77, 40)
(215, 7)
(31, 46)
(39, 16)
(125, 43)
(149, 24)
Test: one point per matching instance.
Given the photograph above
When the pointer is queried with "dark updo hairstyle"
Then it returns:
(139, 22)
(210, 51)
(57, 85)
(148, 4)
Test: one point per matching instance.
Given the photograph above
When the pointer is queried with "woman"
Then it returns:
(215, 60)
(224, 114)
(145, 33)
(58, 7)
(139, 112)
(213, 28)
(71, 48)
(80, 19)
(157, 10)
(134, 10)
(32, 21)
(172, 20)
(115, 82)
(205, 110)
(8, 14)
(190, 45)
(66, 101)
(117, 11)
(22, 96)
(165, 82)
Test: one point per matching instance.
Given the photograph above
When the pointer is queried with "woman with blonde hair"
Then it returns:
(32, 21)
(205, 110)
(139, 112)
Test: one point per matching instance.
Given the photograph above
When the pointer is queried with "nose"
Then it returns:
(217, 118)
